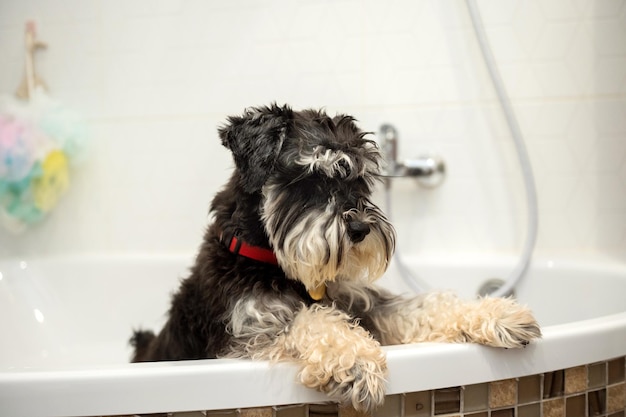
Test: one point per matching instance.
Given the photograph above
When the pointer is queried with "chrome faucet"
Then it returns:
(428, 170)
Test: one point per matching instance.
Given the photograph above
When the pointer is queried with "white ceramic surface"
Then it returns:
(156, 80)
(65, 324)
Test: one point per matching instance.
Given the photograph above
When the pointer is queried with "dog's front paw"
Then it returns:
(351, 380)
(502, 322)
(337, 357)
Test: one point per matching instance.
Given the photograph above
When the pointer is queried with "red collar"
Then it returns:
(257, 253)
(239, 247)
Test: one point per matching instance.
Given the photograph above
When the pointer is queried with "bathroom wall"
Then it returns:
(154, 80)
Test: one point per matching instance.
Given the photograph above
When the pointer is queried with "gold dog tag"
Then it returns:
(318, 293)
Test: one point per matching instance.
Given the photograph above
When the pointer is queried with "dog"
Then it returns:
(286, 268)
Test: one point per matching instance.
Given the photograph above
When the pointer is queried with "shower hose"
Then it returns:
(518, 272)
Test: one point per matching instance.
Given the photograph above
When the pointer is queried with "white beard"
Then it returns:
(317, 249)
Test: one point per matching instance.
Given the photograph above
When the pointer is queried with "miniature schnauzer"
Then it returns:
(286, 267)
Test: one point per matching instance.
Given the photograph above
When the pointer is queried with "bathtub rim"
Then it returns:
(183, 386)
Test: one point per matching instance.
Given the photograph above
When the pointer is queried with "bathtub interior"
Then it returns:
(78, 312)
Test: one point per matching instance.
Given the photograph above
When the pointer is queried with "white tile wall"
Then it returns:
(155, 79)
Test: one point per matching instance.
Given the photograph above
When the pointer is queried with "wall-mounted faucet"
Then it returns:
(428, 170)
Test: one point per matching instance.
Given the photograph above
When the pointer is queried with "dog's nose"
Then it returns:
(357, 230)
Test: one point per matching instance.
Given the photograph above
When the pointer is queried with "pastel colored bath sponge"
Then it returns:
(39, 141)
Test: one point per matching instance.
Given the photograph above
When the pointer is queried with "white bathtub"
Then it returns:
(64, 326)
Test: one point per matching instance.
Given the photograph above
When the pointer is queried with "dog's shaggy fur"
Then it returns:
(301, 188)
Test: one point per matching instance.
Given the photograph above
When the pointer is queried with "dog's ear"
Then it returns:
(255, 139)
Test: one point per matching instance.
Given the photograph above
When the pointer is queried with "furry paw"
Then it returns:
(337, 357)
(357, 381)
(502, 322)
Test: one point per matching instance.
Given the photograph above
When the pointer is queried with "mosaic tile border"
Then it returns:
(597, 389)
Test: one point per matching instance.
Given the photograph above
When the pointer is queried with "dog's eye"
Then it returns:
(344, 169)
(333, 163)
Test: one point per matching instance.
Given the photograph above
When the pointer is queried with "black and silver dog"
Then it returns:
(286, 267)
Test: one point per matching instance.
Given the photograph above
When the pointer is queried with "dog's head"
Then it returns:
(315, 174)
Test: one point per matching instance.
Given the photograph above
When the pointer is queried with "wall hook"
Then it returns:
(31, 80)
